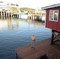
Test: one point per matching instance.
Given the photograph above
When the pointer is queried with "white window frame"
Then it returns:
(53, 15)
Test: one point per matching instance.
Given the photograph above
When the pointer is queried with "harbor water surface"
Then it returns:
(15, 33)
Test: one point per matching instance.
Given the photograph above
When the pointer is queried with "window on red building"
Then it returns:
(53, 15)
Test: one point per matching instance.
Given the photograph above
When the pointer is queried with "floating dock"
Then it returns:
(41, 48)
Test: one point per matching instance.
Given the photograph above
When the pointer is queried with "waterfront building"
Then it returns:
(4, 12)
(53, 20)
(9, 10)
(14, 9)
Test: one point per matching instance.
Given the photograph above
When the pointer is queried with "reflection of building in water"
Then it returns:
(13, 24)
(3, 24)
(35, 23)
(18, 22)
(9, 24)
(30, 21)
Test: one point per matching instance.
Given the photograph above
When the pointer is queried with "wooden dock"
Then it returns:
(41, 48)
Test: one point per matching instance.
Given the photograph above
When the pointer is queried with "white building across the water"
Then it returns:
(9, 10)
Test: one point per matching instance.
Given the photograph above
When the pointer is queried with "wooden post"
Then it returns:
(52, 38)
(1, 14)
(16, 56)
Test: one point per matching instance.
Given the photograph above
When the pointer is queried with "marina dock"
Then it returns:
(41, 48)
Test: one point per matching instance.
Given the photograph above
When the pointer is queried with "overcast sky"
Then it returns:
(33, 3)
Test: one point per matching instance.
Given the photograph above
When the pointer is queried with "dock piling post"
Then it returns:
(52, 39)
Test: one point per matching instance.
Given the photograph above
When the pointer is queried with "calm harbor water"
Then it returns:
(16, 33)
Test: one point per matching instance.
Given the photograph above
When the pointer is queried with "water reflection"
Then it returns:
(36, 23)
(11, 24)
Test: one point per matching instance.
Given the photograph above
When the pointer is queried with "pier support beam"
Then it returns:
(55, 36)
(17, 57)
(52, 39)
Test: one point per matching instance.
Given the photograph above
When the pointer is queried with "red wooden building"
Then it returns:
(53, 19)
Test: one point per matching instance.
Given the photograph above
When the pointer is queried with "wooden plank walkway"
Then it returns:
(41, 48)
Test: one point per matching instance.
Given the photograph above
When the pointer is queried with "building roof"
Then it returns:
(51, 6)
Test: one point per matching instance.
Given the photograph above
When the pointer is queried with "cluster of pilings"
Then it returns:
(5, 15)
